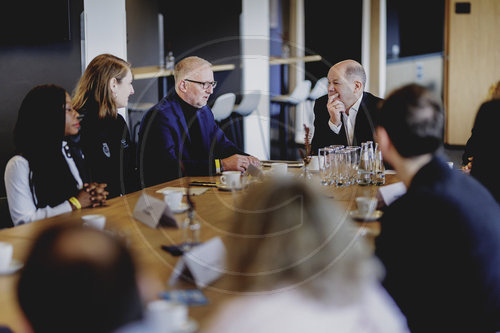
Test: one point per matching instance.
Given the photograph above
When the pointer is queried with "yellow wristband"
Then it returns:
(75, 202)
(217, 166)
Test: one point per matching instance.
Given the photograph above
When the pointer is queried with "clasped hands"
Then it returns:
(238, 162)
(92, 195)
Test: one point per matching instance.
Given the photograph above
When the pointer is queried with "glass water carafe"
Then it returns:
(365, 165)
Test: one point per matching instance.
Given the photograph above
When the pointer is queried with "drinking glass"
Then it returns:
(342, 158)
(355, 158)
(335, 147)
(325, 169)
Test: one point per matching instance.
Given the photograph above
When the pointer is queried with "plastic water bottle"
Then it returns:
(365, 165)
(378, 176)
(170, 60)
(191, 231)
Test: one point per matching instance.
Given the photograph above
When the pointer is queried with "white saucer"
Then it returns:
(180, 209)
(224, 187)
(390, 172)
(373, 217)
(14, 266)
(190, 326)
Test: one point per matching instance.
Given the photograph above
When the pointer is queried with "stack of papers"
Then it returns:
(193, 190)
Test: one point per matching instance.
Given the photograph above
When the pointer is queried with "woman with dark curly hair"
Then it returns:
(47, 175)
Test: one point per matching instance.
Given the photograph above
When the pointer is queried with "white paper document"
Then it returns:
(192, 190)
(392, 192)
(203, 264)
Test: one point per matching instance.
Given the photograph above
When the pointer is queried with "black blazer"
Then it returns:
(366, 121)
(109, 153)
(481, 147)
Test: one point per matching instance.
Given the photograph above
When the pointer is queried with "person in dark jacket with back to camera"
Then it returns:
(104, 87)
(439, 242)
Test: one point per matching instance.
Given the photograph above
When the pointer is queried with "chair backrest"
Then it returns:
(301, 91)
(5, 219)
(135, 114)
(249, 103)
(223, 106)
(320, 89)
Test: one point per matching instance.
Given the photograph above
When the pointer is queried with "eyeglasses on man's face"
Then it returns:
(204, 85)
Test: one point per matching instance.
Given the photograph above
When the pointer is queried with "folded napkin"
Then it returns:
(193, 190)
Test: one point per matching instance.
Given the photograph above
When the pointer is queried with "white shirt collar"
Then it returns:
(356, 105)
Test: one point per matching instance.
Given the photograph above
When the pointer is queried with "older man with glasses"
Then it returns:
(179, 137)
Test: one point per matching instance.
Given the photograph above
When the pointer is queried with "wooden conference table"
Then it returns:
(214, 209)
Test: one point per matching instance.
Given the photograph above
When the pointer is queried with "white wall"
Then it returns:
(426, 70)
(254, 32)
(105, 31)
(105, 24)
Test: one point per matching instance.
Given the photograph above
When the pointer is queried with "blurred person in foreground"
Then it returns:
(348, 115)
(480, 157)
(79, 279)
(179, 134)
(296, 263)
(440, 242)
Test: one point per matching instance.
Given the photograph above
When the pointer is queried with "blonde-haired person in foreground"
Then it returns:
(296, 263)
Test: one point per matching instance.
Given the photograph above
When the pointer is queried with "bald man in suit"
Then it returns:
(347, 115)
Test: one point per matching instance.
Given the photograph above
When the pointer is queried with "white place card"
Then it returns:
(192, 191)
(392, 192)
(154, 212)
(202, 265)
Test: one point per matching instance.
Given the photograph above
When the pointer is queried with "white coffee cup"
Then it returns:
(97, 221)
(166, 316)
(366, 205)
(279, 168)
(314, 163)
(173, 198)
(6, 251)
(231, 178)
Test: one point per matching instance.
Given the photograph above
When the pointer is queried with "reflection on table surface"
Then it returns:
(214, 209)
